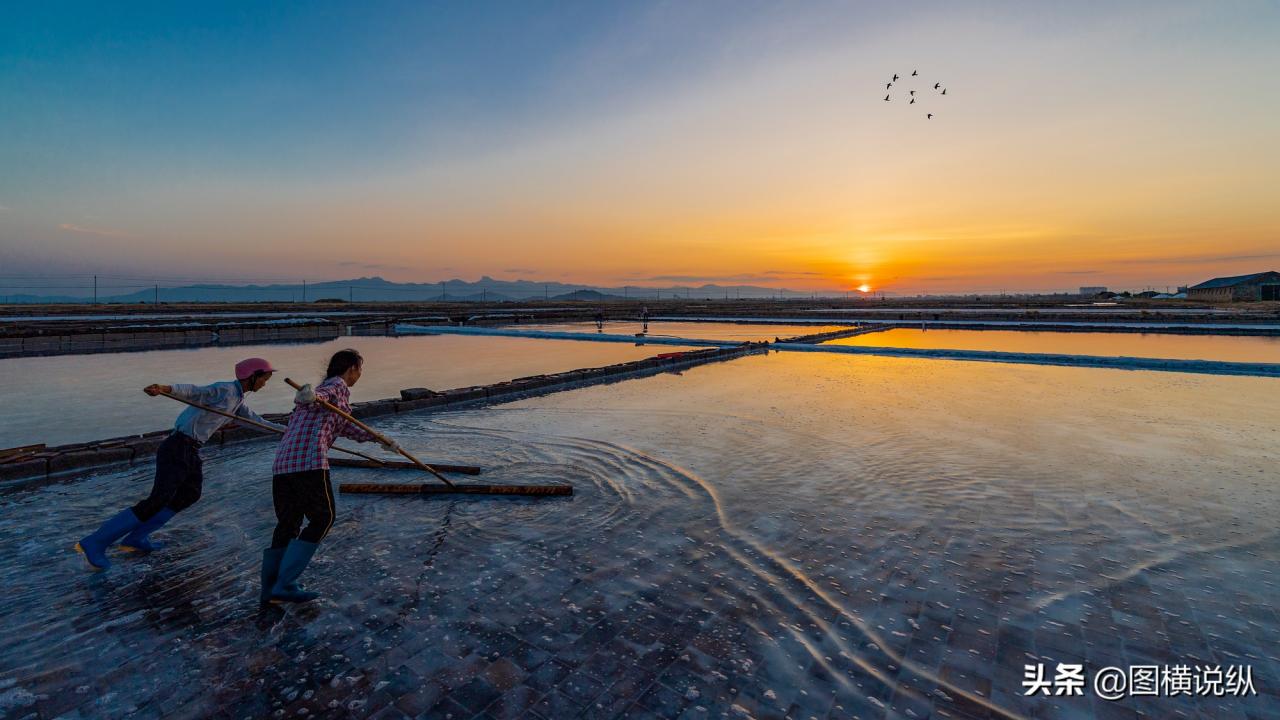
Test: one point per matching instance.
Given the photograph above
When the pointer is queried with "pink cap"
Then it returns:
(246, 368)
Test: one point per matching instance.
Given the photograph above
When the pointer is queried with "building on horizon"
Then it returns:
(1090, 291)
(1239, 288)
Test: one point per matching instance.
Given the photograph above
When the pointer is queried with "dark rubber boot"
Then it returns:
(271, 558)
(137, 541)
(94, 546)
(295, 560)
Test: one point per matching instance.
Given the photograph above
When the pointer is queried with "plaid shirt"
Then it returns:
(313, 430)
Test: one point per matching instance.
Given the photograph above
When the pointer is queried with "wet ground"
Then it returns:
(778, 536)
(1232, 348)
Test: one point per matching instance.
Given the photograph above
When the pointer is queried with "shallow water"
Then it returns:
(1151, 345)
(800, 535)
(1069, 309)
(79, 398)
(753, 332)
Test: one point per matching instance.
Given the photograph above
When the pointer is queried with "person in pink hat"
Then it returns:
(179, 474)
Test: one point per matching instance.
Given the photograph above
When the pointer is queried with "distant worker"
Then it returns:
(600, 322)
(300, 484)
(179, 470)
(644, 319)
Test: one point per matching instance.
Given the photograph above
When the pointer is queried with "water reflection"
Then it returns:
(76, 398)
(753, 332)
(793, 535)
(1152, 345)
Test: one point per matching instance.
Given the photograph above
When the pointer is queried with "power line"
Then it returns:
(151, 278)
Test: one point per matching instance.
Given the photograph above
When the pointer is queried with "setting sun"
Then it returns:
(864, 288)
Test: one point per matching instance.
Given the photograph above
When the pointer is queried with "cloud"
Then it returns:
(767, 276)
(101, 232)
(699, 278)
(1077, 272)
(372, 266)
(1197, 259)
(520, 271)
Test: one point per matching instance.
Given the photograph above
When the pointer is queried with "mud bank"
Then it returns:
(86, 338)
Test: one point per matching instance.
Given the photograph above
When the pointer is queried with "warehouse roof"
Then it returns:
(1231, 281)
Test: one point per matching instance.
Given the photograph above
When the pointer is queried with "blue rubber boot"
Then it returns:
(94, 546)
(137, 541)
(271, 558)
(295, 560)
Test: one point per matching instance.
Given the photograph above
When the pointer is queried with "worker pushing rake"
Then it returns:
(300, 484)
(179, 472)
(301, 489)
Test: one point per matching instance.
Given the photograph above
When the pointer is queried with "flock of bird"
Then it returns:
(912, 93)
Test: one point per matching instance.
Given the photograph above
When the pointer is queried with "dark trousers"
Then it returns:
(179, 477)
(297, 495)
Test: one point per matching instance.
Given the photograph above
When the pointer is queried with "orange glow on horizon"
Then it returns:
(747, 170)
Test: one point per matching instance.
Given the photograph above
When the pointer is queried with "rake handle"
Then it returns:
(379, 436)
(257, 424)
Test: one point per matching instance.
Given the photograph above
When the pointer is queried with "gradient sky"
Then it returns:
(1118, 144)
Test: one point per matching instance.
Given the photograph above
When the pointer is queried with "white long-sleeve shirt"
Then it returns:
(226, 396)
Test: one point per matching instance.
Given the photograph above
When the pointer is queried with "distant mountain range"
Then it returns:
(376, 289)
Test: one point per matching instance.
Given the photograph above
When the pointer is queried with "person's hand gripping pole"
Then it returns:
(383, 439)
(167, 391)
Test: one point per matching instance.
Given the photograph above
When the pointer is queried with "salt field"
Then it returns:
(743, 332)
(1262, 348)
(90, 397)
(784, 535)
(640, 361)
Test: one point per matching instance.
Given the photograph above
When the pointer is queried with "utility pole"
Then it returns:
(444, 294)
(349, 295)
(95, 289)
(304, 291)
(157, 302)
(546, 292)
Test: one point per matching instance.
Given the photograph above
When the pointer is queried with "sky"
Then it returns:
(1127, 145)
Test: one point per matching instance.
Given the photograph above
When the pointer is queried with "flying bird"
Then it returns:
(895, 77)
(886, 98)
(914, 73)
(929, 116)
(935, 85)
(913, 101)
(913, 92)
(944, 91)
(888, 85)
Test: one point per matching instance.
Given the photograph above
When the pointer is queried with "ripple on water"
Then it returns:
(805, 571)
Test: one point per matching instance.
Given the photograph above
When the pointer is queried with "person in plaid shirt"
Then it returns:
(300, 484)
